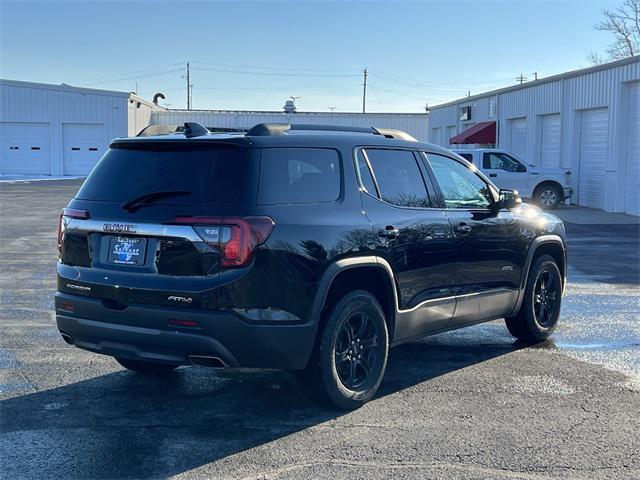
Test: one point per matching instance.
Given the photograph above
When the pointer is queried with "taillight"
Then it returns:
(69, 213)
(235, 237)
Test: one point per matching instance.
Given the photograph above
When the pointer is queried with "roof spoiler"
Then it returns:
(268, 129)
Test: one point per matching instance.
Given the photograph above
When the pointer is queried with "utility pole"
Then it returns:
(332, 109)
(535, 76)
(521, 79)
(188, 89)
(364, 91)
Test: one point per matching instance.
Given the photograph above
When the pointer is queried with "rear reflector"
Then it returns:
(183, 323)
(67, 307)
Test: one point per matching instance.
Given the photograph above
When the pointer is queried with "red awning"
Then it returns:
(482, 132)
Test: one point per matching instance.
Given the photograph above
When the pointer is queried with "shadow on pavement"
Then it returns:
(122, 425)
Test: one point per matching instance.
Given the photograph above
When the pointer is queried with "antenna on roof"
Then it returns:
(193, 129)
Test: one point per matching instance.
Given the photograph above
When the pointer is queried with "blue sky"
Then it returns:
(253, 55)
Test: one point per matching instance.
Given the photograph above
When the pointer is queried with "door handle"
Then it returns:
(493, 175)
(462, 229)
(389, 232)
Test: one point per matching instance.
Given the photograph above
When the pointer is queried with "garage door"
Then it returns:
(83, 145)
(451, 132)
(436, 136)
(594, 143)
(550, 141)
(632, 177)
(25, 148)
(518, 136)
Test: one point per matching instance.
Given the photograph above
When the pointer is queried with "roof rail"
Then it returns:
(268, 129)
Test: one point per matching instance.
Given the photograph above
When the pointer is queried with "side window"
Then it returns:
(467, 156)
(298, 175)
(365, 175)
(460, 186)
(398, 177)
(501, 161)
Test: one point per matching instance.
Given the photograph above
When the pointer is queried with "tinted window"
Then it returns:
(500, 161)
(212, 174)
(460, 186)
(298, 175)
(365, 175)
(467, 156)
(399, 178)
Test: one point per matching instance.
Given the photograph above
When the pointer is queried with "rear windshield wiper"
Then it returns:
(148, 198)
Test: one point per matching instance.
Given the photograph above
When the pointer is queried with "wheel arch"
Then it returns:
(543, 245)
(370, 273)
(543, 183)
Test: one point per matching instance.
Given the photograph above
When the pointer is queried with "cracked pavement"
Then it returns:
(469, 404)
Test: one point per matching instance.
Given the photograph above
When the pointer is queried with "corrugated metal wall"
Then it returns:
(568, 96)
(23, 102)
(414, 124)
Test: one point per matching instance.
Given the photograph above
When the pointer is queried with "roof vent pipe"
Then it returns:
(157, 96)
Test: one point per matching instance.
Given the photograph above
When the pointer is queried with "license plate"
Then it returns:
(127, 250)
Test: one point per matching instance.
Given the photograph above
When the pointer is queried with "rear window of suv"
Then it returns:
(299, 175)
(213, 174)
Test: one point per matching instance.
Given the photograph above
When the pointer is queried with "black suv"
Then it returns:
(307, 248)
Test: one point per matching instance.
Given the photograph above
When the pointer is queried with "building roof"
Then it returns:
(280, 112)
(534, 83)
(62, 87)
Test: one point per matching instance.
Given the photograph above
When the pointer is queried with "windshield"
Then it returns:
(212, 174)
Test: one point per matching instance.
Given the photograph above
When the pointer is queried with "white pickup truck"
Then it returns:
(546, 186)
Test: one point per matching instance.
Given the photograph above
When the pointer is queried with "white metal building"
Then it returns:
(587, 120)
(415, 124)
(63, 130)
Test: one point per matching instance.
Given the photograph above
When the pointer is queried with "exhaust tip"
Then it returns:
(207, 361)
(67, 338)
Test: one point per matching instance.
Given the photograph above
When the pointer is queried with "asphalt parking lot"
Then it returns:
(469, 404)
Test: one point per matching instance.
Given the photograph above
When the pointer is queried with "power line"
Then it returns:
(121, 80)
(143, 71)
(276, 74)
(449, 86)
(294, 87)
(277, 69)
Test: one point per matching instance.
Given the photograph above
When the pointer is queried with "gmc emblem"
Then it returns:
(119, 228)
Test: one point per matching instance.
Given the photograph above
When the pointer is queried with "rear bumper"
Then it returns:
(143, 332)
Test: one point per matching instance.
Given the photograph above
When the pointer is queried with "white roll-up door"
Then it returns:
(518, 136)
(632, 176)
(436, 135)
(550, 141)
(594, 145)
(83, 145)
(25, 148)
(451, 132)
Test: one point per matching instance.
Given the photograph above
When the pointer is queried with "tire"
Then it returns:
(548, 196)
(540, 309)
(147, 368)
(351, 356)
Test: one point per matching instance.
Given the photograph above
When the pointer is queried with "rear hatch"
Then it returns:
(156, 221)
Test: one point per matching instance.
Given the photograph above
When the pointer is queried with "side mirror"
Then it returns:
(508, 199)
